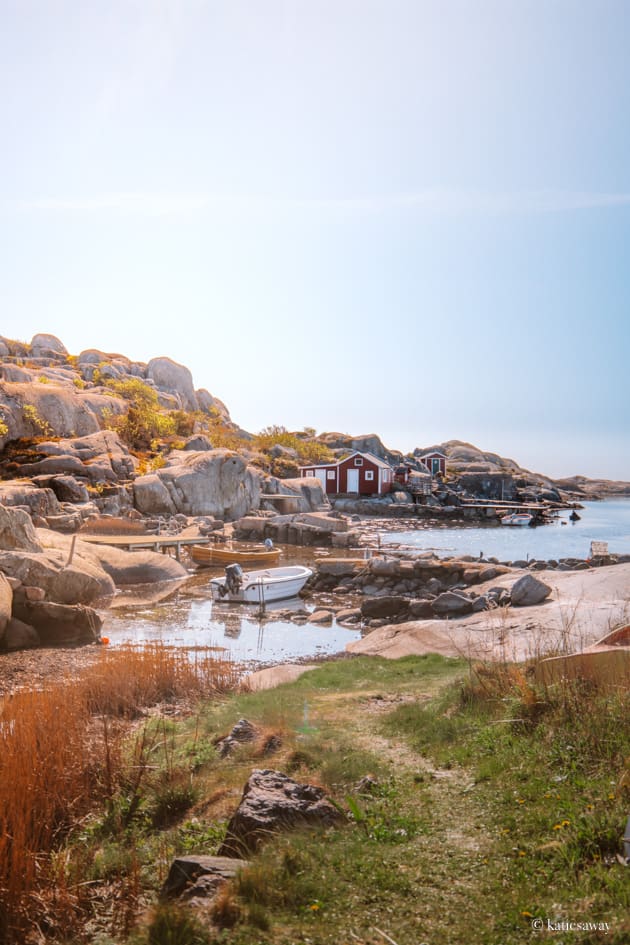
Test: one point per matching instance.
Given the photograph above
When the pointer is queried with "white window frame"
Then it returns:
(369, 475)
(358, 460)
(330, 474)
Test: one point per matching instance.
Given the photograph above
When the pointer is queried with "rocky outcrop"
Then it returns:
(217, 483)
(306, 493)
(272, 802)
(81, 582)
(175, 379)
(43, 345)
(17, 532)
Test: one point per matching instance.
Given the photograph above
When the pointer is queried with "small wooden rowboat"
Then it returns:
(206, 556)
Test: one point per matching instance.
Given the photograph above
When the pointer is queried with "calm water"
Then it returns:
(191, 619)
(600, 521)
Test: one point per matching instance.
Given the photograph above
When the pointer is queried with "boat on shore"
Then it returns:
(259, 587)
(517, 518)
(207, 556)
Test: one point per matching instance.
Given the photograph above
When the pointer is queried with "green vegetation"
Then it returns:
(40, 426)
(145, 421)
(307, 448)
(475, 803)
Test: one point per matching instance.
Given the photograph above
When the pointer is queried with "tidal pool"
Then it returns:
(190, 619)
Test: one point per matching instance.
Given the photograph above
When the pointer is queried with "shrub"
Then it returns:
(145, 420)
(41, 427)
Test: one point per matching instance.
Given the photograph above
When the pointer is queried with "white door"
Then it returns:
(321, 475)
(353, 480)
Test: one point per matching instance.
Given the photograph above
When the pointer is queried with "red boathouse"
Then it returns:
(358, 473)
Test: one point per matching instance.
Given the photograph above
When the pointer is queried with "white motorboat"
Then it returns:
(259, 587)
(517, 518)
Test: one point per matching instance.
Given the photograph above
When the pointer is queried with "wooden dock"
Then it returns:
(163, 543)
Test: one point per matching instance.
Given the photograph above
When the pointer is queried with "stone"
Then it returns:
(242, 733)
(376, 607)
(272, 802)
(17, 532)
(451, 603)
(529, 590)
(60, 624)
(69, 489)
(199, 876)
(198, 443)
(19, 636)
(43, 343)
(323, 617)
(82, 582)
(421, 610)
(33, 500)
(173, 378)
(349, 615)
(6, 603)
(217, 483)
(137, 567)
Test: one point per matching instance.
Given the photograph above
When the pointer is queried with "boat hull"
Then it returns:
(207, 556)
(261, 587)
(517, 518)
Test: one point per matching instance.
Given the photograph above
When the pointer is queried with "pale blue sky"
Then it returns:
(409, 218)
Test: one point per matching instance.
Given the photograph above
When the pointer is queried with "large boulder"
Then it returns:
(216, 482)
(38, 500)
(124, 568)
(529, 590)
(60, 624)
(45, 409)
(173, 378)
(212, 405)
(272, 802)
(41, 344)
(81, 582)
(17, 532)
(19, 636)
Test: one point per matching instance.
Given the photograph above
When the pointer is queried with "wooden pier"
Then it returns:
(161, 543)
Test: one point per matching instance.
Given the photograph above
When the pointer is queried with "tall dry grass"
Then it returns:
(61, 756)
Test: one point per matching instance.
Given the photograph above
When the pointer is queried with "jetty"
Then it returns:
(163, 543)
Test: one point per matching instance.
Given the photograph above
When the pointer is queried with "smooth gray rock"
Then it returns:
(529, 590)
(451, 603)
(217, 483)
(42, 342)
(17, 532)
(173, 378)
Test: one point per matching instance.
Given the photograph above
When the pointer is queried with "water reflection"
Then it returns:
(190, 618)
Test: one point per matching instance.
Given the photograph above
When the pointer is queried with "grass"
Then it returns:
(474, 803)
(65, 753)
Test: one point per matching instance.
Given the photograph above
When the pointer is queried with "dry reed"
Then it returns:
(60, 756)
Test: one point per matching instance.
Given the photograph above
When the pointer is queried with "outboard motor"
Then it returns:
(233, 578)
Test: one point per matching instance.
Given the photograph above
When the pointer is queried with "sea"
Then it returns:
(608, 521)
(190, 619)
